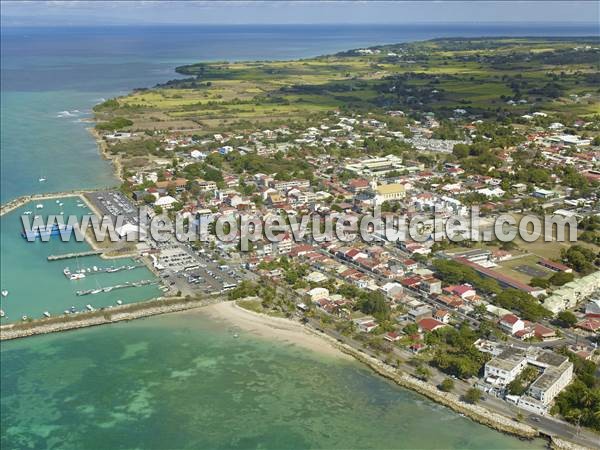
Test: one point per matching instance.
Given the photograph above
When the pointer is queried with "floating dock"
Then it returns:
(118, 286)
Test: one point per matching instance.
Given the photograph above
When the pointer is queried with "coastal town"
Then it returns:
(510, 325)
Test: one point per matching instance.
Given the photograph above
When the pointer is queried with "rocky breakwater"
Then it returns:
(102, 316)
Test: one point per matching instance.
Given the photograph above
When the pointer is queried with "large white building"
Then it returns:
(377, 167)
(504, 368)
(556, 372)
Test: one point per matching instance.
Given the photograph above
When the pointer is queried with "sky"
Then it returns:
(60, 13)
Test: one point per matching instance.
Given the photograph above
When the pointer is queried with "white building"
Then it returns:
(504, 368)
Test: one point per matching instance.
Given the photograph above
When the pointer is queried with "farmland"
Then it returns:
(497, 78)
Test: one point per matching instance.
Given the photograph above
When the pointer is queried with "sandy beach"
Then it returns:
(272, 328)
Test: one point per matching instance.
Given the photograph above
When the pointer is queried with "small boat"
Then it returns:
(67, 272)
(119, 302)
(76, 276)
(95, 268)
(72, 308)
(107, 289)
(62, 213)
(89, 307)
(57, 201)
(28, 213)
(39, 206)
(41, 179)
(2, 313)
(46, 314)
(66, 311)
(4, 293)
(24, 318)
(95, 291)
(236, 336)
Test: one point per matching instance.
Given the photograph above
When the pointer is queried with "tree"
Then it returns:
(539, 282)
(460, 151)
(472, 396)
(149, 198)
(566, 319)
(447, 385)
(411, 328)
(423, 373)
(560, 278)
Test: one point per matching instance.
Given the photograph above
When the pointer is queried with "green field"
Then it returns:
(479, 75)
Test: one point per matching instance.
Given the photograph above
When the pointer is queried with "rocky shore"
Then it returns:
(105, 316)
(477, 413)
(103, 146)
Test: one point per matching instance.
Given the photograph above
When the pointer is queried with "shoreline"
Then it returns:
(283, 330)
(115, 160)
(293, 332)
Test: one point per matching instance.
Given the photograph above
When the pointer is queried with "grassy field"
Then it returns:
(479, 75)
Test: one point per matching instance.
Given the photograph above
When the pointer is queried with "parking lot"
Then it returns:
(114, 203)
(196, 271)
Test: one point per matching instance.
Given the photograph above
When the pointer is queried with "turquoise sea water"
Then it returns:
(183, 381)
(36, 285)
(171, 382)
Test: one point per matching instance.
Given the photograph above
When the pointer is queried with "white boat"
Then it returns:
(4, 293)
(39, 206)
(66, 311)
(119, 302)
(41, 179)
(46, 314)
(95, 291)
(67, 272)
(89, 307)
(76, 276)
(24, 318)
(57, 201)
(28, 213)
(2, 313)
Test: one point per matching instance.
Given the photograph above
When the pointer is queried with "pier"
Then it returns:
(98, 270)
(118, 286)
(75, 255)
